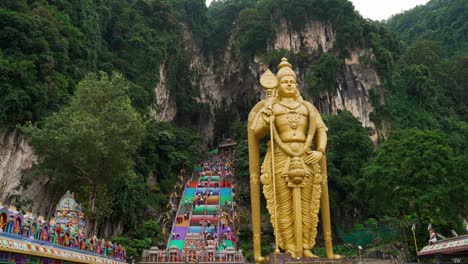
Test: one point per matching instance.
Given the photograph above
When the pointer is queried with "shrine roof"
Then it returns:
(446, 246)
(68, 203)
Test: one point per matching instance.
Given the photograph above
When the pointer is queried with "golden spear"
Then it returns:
(269, 82)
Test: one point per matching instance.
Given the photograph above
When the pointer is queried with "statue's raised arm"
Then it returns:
(293, 173)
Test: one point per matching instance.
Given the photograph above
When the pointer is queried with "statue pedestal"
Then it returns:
(285, 258)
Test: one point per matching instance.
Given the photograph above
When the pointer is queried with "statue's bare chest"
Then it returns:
(291, 121)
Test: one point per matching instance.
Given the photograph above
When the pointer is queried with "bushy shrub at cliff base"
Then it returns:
(425, 172)
(164, 153)
(145, 235)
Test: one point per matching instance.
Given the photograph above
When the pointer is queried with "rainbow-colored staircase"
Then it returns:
(203, 230)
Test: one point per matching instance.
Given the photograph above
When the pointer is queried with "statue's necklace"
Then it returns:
(292, 116)
(290, 107)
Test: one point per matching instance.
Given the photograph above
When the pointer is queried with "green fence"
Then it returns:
(367, 235)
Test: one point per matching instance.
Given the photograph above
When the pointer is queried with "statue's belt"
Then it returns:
(293, 146)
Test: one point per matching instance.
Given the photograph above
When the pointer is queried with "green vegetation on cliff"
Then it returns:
(47, 47)
(424, 172)
(437, 52)
(349, 148)
(443, 21)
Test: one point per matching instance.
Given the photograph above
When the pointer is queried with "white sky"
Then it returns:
(380, 9)
(383, 9)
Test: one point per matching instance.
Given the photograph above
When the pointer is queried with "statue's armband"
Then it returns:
(320, 124)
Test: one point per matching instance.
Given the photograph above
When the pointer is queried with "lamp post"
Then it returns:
(360, 260)
(413, 228)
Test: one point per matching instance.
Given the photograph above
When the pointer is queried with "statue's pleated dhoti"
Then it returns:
(310, 198)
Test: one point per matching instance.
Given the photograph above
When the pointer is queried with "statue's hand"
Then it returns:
(266, 113)
(313, 157)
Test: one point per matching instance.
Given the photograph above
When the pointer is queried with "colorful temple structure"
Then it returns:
(25, 238)
(204, 227)
(452, 250)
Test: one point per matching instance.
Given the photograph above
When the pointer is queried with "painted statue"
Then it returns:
(3, 223)
(52, 234)
(17, 227)
(65, 240)
(28, 225)
(294, 175)
(44, 234)
(33, 230)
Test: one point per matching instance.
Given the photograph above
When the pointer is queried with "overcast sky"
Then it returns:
(380, 9)
(383, 9)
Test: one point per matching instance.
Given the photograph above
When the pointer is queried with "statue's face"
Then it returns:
(288, 87)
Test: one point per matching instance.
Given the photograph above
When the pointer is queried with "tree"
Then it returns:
(91, 142)
(416, 172)
(349, 148)
(166, 150)
(455, 83)
(255, 31)
(416, 178)
(419, 83)
(33, 65)
(147, 234)
(425, 52)
(322, 76)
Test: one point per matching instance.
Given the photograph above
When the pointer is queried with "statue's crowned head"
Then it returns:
(284, 69)
(287, 81)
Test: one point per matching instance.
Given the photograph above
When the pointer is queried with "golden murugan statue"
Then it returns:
(294, 175)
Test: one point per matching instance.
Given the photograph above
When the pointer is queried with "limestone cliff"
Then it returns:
(226, 83)
(354, 81)
(163, 108)
(16, 158)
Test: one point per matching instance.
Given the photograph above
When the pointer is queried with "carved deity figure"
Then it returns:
(2, 223)
(293, 173)
(43, 234)
(17, 227)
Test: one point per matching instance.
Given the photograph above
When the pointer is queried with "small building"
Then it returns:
(452, 250)
(227, 143)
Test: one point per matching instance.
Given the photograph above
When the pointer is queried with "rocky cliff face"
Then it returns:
(163, 108)
(16, 158)
(226, 84)
(316, 35)
(355, 80)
